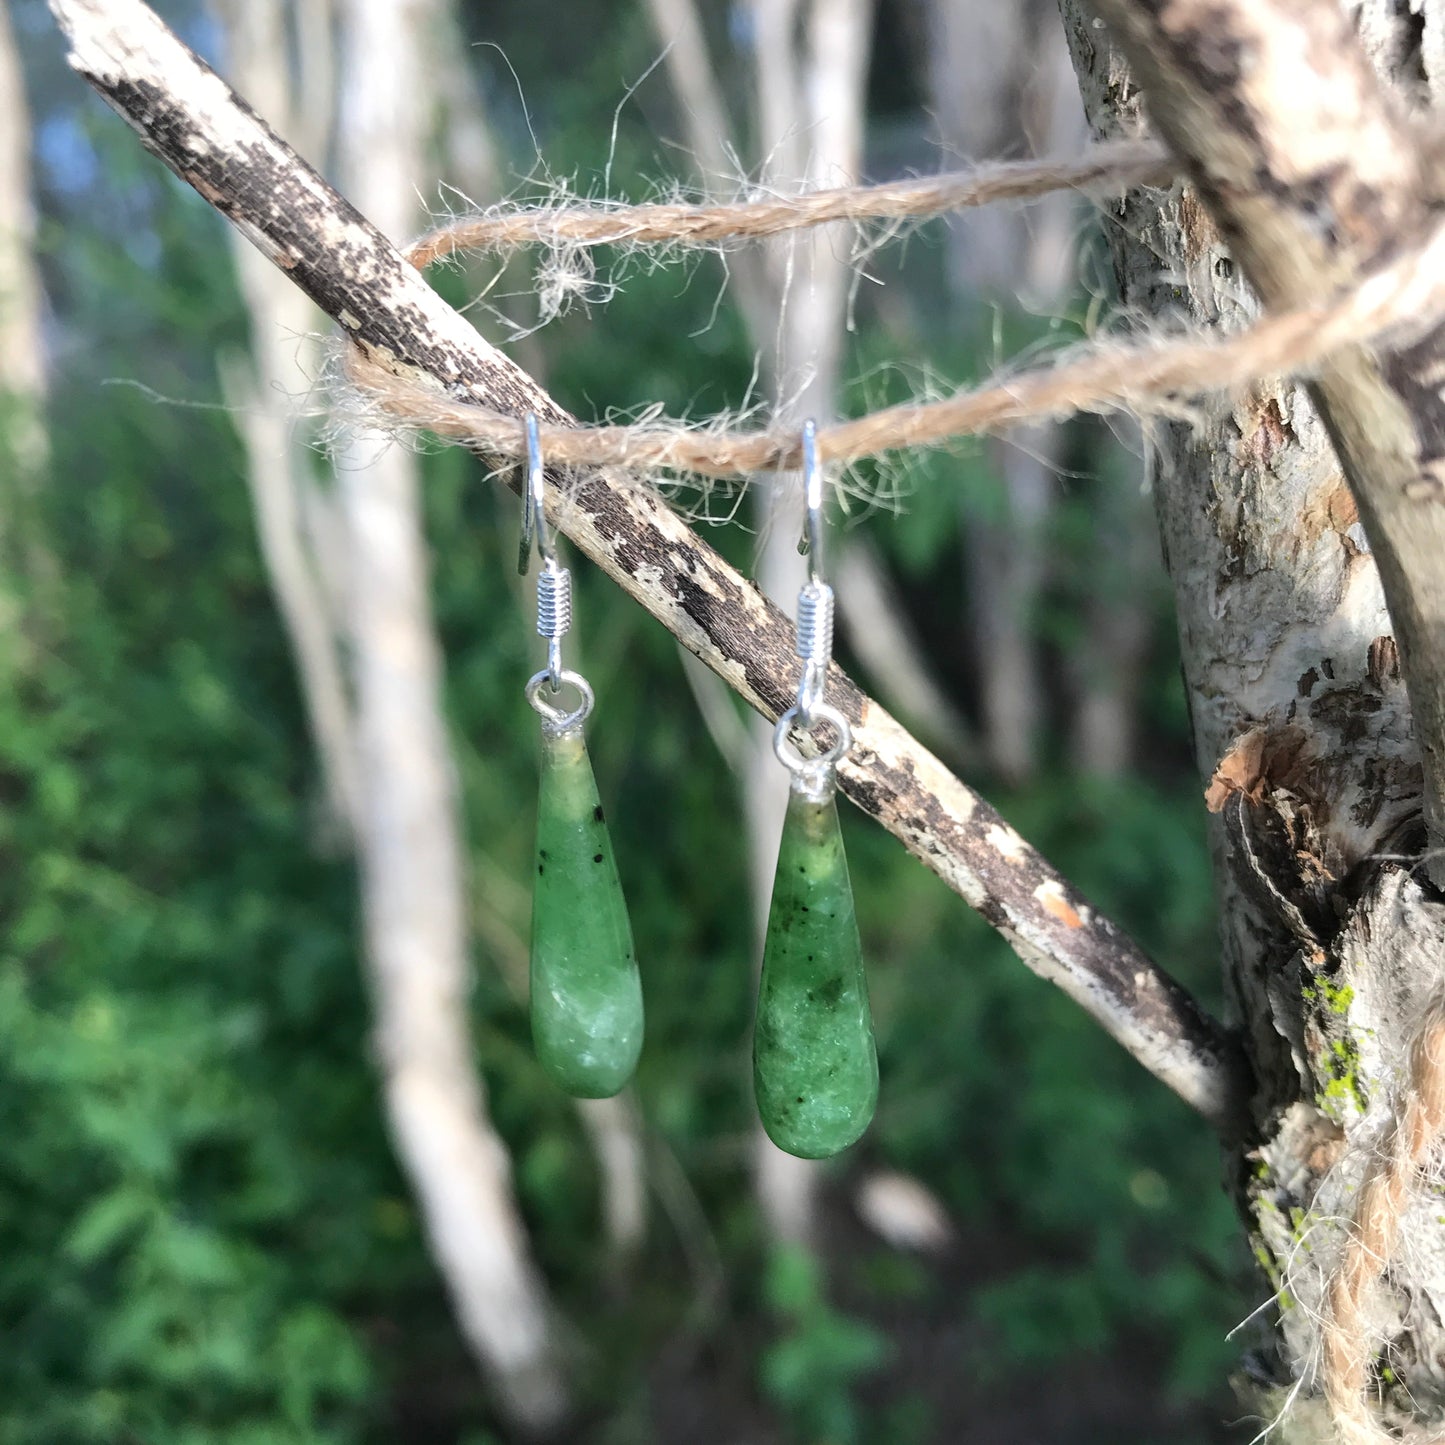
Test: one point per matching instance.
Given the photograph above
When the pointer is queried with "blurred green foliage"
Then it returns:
(808, 1368)
(203, 1234)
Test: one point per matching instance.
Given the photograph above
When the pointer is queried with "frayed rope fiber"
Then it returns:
(1106, 168)
(1393, 1171)
(1152, 376)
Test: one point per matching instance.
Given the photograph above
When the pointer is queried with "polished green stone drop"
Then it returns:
(815, 1067)
(586, 992)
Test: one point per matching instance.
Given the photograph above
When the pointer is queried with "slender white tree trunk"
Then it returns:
(23, 444)
(877, 628)
(285, 355)
(410, 840)
(474, 170)
(1000, 80)
(1106, 666)
(810, 69)
(810, 113)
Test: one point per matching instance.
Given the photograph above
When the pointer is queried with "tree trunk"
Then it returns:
(410, 834)
(24, 446)
(1332, 939)
(284, 356)
(1106, 668)
(810, 66)
(880, 635)
(810, 94)
(352, 562)
(994, 73)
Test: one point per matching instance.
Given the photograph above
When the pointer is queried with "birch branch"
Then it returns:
(189, 118)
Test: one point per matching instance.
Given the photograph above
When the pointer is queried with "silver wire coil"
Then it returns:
(815, 624)
(814, 645)
(554, 600)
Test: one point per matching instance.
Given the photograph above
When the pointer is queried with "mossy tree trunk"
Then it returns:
(1279, 517)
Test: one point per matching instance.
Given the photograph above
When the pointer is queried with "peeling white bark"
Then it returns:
(410, 833)
(285, 355)
(1301, 717)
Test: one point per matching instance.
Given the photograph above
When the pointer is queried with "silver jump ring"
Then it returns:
(795, 762)
(558, 719)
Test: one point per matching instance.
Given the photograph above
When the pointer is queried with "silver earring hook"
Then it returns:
(534, 520)
(813, 777)
(815, 598)
(554, 598)
(813, 496)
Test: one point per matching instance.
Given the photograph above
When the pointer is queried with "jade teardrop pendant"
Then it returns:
(815, 1067)
(586, 992)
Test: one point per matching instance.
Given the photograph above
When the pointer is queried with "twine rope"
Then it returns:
(1105, 168)
(1150, 376)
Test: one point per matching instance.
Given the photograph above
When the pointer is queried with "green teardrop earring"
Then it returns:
(815, 1065)
(586, 993)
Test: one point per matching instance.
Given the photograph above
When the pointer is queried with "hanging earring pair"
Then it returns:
(586, 993)
(815, 1064)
